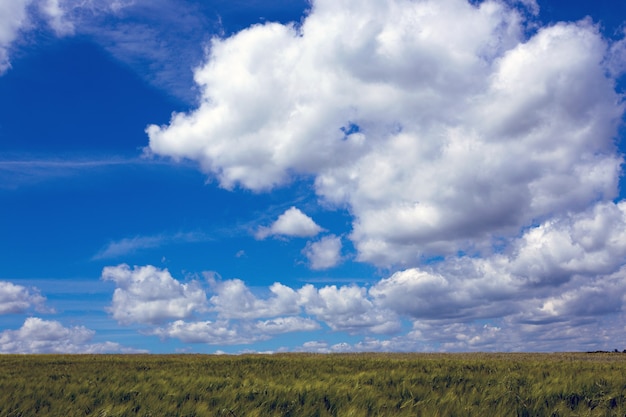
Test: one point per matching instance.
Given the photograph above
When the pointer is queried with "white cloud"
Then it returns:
(55, 15)
(292, 222)
(161, 40)
(559, 285)
(224, 332)
(151, 295)
(617, 57)
(281, 325)
(345, 308)
(215, 333)
(131, 245)
(27, 170)
(324, 253)
(148, 295)
(43, 336)
(13, 16)
(437, 140)
(516, 300)
(500, 336)
(18, 299)
(314, 346)
(557, 258)
(234, 300)
(348, 309)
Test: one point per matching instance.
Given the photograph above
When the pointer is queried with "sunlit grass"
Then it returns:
(314, 385)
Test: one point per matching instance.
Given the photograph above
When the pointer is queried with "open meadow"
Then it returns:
(558, 384)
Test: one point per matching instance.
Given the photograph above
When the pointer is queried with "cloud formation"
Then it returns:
(232, 299)
(293, 223)
(438, 140)
(324, 253)
(237, 333)
(234, 314)
(151, 295)
(559, 285)
(18, 299)
(44, 336)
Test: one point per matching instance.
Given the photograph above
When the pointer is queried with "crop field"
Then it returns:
(576, 384)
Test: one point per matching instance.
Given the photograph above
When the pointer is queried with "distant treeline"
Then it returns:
(564, 384)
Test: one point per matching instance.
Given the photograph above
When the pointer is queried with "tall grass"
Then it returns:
(314, 385)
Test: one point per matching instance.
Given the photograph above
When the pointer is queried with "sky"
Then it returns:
(186, 176)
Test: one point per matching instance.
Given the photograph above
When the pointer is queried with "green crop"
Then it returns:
(314, 385)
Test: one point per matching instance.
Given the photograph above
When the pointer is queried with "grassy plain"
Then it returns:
(562, 384)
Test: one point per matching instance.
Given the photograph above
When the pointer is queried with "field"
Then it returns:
(576, 384)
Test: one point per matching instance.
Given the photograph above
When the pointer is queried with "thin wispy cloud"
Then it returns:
(131, 245)
(145, 35)
(23, 171)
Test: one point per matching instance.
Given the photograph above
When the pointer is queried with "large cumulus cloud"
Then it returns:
(438, 123)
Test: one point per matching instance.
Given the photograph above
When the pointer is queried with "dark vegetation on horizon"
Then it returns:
(558, 384)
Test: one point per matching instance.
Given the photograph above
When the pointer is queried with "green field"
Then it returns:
(576, 384)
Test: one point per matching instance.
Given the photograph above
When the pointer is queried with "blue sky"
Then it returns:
(236, 176)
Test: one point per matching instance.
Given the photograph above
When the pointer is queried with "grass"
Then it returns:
(576, 384)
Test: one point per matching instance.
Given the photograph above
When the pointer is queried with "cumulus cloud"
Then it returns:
(43, 336)
(293, 223)
(233, 299)
(217, 333)
(151, 295)
(558, 257)
(480, 337)
(560, 285)
(18, 299)
(499, 302)
(348, 309)
(281, 325)
(233, 333)
(437, 139)
(324, 253)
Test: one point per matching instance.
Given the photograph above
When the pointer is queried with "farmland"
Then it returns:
(558, 384)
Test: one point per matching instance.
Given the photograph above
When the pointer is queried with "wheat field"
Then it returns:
(557, 384)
